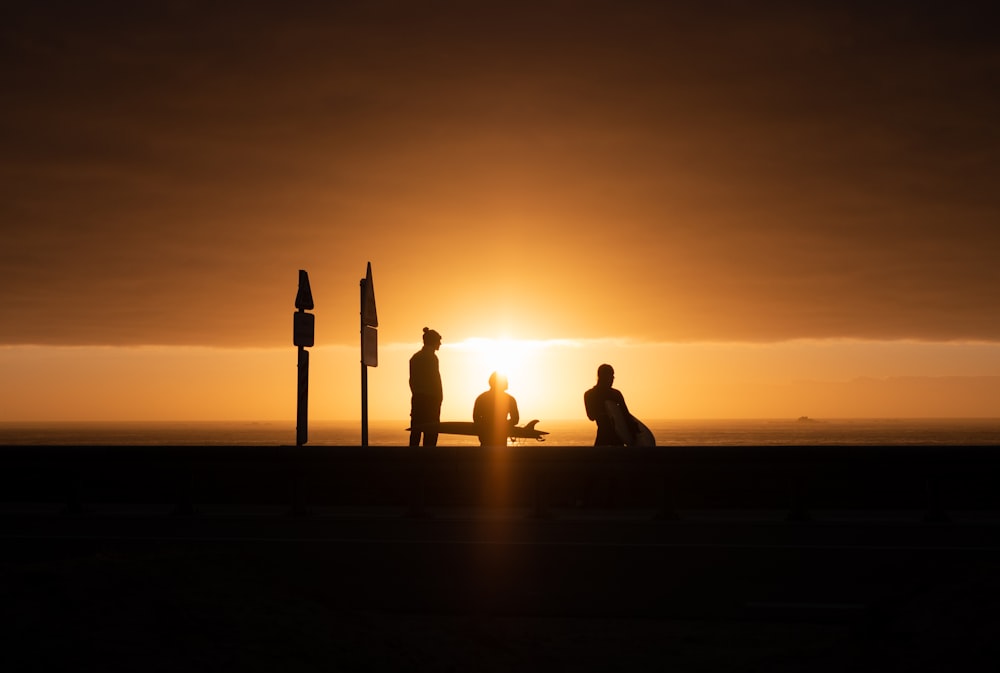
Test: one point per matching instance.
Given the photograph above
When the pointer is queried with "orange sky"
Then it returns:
(822, 379)
(695, 183)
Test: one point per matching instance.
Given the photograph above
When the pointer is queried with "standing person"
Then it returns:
(595, 401)
(426, 392)
(495, 413)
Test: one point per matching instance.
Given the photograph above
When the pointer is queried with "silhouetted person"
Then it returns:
(595, 400)
(495, 413)
(426, 391)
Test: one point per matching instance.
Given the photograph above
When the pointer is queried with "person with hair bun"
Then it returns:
(426, 392)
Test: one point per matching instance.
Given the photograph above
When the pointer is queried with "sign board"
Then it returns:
(304, 297)
(304, 329)
(369, 316)
(369, 346)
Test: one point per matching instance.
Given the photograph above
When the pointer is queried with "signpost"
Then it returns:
(303, 336)
(369, 345)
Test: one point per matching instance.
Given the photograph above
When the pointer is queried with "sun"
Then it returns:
(501, 355)
(512, 357)
(469, 363)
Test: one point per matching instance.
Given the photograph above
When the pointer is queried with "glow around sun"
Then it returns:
(526, 363)
(507, 356)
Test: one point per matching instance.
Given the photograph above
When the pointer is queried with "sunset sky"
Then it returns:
(761, 209)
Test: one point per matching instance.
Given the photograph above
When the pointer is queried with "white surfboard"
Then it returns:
(643, 435)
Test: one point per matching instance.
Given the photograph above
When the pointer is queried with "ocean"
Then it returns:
(752, 432)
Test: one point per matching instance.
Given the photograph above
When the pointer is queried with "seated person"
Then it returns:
(495, 413)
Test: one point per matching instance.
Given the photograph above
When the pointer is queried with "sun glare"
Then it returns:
(523, 361)
(500, 355)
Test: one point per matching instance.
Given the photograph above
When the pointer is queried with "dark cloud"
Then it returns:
(747, 172)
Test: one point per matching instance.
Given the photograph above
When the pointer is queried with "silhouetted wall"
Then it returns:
(662, 479)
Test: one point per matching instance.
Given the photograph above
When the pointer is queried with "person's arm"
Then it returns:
(477, 411)
(514, 415)
(620, 399)
(588, 404)
(438, 388)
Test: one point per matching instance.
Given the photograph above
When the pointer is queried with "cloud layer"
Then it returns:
(568, 170)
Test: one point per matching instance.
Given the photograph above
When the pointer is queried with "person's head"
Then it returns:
(432, 339)
(498, 381)
(605, 375)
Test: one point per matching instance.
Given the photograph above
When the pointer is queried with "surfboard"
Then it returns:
(526, 431)
(643, 435)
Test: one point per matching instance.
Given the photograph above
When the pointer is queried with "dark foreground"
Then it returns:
(582, 561)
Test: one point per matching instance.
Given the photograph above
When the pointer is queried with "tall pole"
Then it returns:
(369, 344)
(364, 371)
(303, 336)
(302, 405)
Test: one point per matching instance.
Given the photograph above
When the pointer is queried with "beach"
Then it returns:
(384, 559)
(171, 606)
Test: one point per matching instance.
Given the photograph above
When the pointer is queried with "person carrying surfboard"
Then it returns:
(603, 403)
(426, 391)
(495, 413)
